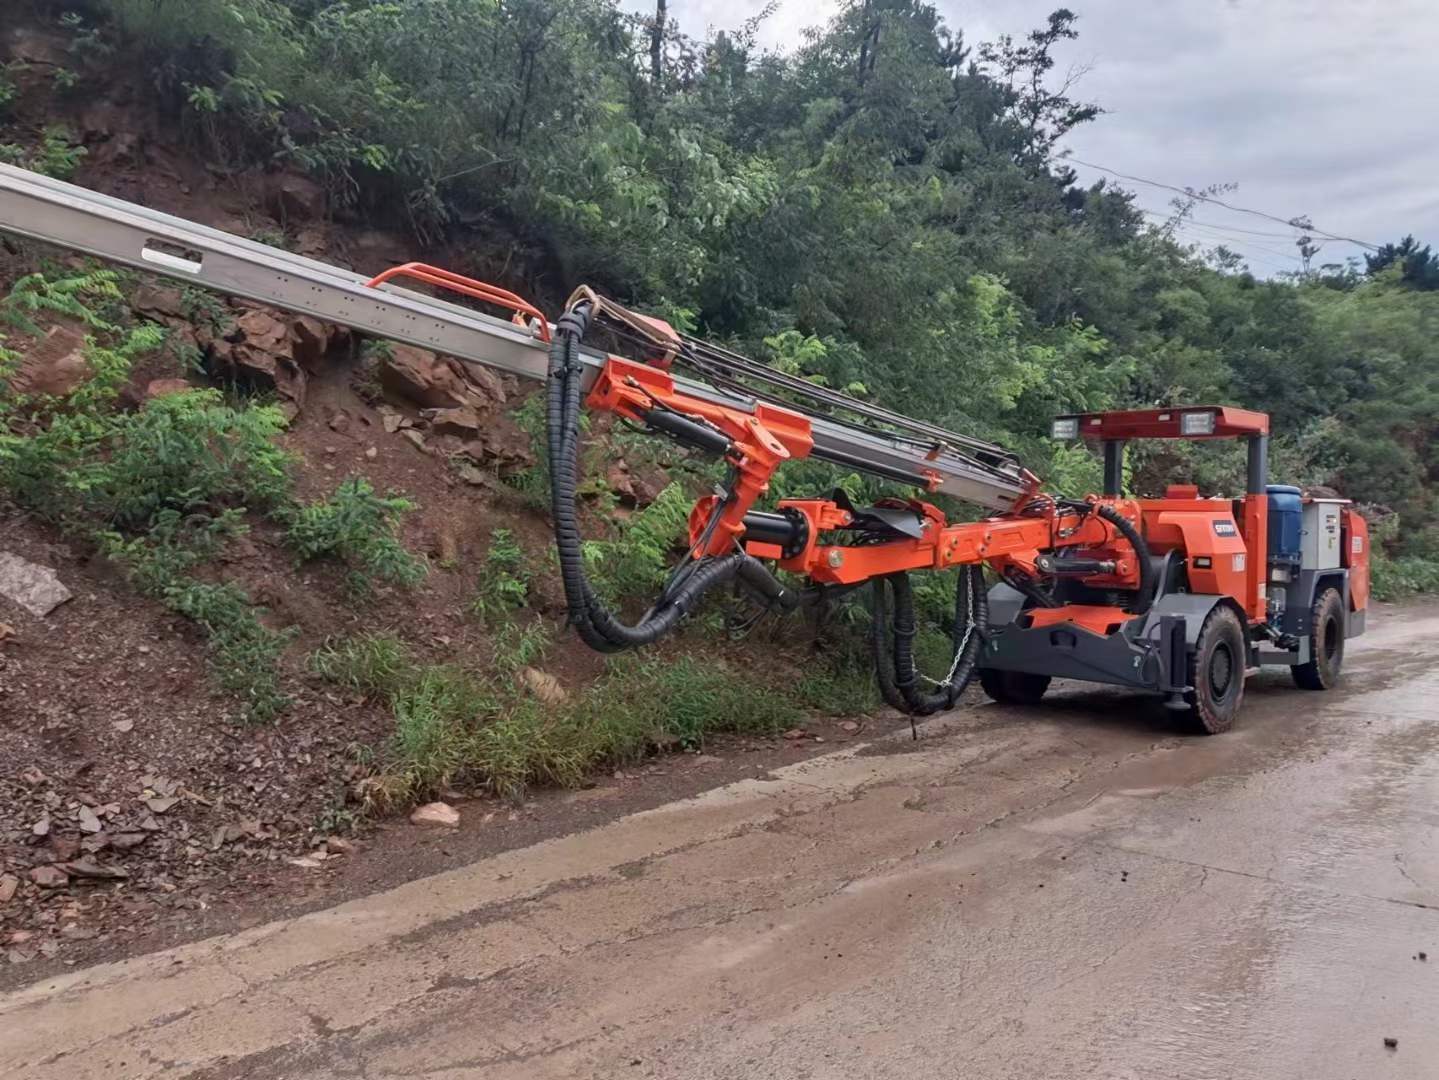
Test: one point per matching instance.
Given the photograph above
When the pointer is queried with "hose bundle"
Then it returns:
(597, 626)
(892, 642)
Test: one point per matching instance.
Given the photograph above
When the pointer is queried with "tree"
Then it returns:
(1418, 266)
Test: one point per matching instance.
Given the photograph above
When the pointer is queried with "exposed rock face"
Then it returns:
(158, 302)
(291, 197)
(274, 350)
(464, 422)
(434, 382)
(53, 366)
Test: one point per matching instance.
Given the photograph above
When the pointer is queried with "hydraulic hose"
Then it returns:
(892, 642)
(1144, 596)
(597, 626)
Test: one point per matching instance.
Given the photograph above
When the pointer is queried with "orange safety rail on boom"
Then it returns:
(479, 290)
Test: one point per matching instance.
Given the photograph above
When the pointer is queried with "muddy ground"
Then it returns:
(1071, 890)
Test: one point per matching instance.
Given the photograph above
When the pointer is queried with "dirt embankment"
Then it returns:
(135, 809)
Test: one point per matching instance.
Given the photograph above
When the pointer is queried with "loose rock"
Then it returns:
(35, 588)
(437, 814)
(8, 884)
(88, 868)
(544, 686)
(49, 877)
(157, 388)
(55, 366)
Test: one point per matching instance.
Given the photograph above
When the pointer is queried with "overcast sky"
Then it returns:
(1328, 108)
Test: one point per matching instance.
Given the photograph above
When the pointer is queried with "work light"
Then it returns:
(1196, 423)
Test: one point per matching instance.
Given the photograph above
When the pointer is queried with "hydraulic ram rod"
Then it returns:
(53, 212)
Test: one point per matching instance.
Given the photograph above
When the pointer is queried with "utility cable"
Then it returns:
(1189, 193)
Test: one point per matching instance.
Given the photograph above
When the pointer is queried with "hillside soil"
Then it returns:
(136, 810)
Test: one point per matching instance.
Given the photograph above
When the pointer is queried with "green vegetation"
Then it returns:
(504, 580)
(358, 526)
(634, 562)
(881, 210)
(57, 154)
(161, 489)
(454, 727)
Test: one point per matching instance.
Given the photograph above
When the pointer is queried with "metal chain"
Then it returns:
(963, 642)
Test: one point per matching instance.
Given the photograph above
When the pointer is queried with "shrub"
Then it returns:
(504, 580)
(360, 527)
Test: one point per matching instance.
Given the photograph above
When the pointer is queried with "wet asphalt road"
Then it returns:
(1069, 891)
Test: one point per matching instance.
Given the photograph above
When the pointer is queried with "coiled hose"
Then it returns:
(892, 642)
(597, 626)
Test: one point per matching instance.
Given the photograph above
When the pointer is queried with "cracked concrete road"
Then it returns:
(1067, 891)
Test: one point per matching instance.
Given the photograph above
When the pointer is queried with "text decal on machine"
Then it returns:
(1225, 528)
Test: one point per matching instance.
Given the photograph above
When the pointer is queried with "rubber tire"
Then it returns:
(1326, 644)
(1215, 700)
(1013, 687)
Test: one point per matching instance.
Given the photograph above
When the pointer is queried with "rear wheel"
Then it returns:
(1216, 672)
(1326, 646)
(1013, 687)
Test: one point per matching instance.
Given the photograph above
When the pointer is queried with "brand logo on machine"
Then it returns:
(1225, 528)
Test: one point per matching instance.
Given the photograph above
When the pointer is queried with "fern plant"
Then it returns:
(360, 527)
(71, 295)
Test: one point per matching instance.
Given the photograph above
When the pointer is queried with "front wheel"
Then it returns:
(1326, 644)
(1216, 672)
(1013, 687)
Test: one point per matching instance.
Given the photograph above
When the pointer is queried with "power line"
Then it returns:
(1207, 232)
(1233, 228)
(1191, 194)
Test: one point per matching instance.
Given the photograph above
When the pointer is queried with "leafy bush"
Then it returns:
(57, 155)
(504, 580)
(1397, 578)
(360, 527)
(634, 564)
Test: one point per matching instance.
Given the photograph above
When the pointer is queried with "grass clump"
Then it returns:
(451, 726)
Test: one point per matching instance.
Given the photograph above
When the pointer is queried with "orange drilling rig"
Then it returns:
(1174, 594)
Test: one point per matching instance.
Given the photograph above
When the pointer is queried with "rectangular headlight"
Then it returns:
(1066, 427)
(1196, 423)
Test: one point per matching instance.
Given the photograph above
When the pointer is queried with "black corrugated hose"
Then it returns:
(596, 625)
(1144, 596)
(892, 642)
